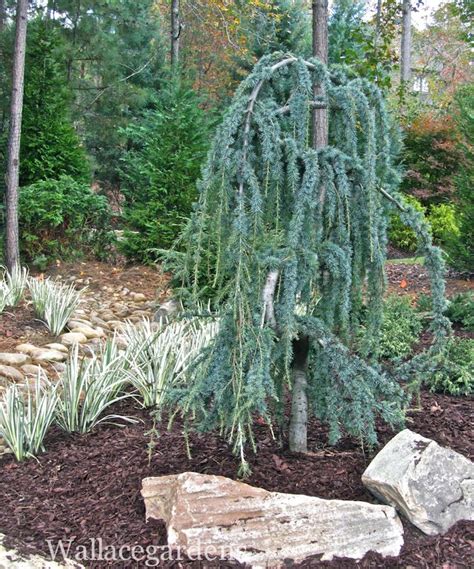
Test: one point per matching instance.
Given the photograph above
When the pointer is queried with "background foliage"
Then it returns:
(62, 218)
(159, 170)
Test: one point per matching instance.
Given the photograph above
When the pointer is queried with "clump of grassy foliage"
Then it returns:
(54, 302)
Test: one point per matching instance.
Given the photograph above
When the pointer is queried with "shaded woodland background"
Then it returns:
(105, 109)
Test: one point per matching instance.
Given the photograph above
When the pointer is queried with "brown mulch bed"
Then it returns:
(88, 486)
(414, 280)
(19, 325)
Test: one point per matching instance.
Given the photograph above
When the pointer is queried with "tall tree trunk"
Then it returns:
(175, 32)
(405, 50)
(378, 23)
(3, 15)
(12, 253)
(298, 430)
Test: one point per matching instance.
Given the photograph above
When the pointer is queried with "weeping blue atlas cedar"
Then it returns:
(289, 241)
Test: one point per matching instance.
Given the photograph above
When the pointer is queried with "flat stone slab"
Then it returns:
(431, 485)
(213, 515)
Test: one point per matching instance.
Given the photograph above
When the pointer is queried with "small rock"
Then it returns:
(30, 369)
(71, 338)
(58, 347)
(77, 323)
(115, 324)
(26, 348)
(139, 297)
(261, 528)
(87, 331)
(99, 322)
(108, 316)
(13, 359)
(431, 485)
(141, 313)
(42, 355)
(166, 311)
(9, 372)
(59, 367)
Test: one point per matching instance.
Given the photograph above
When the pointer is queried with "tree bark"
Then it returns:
(12, 254)
(320, 50)
(405, 50)
(3, 15)
(378, 23)
(175, 32)
(298, 430)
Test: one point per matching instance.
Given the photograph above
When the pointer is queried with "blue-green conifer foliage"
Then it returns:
(315, 221)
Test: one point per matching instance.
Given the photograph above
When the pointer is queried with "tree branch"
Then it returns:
(268, 295)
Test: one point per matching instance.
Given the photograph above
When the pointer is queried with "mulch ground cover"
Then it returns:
(88, 486)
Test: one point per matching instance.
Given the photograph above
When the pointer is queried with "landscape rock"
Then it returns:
(46, 355)
(29, 369)
(26, 349)
(217, 516)
(431, 485)
(88, 332)
(11, 558)
(71, 338)
(138, 296)
(11, 373)
(166, 311)
(107, 316)
(13, 359)
(58, 347)
(98, 321)
(77, 324)
(115, 324)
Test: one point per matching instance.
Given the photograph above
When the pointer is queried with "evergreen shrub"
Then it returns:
(63, 219)
(160, 167)
(400, 329)
(453, 369)
(460, 248)
(461, 310)
(399, 233)
(50, 146)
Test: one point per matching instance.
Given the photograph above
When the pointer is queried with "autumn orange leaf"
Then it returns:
(403, 283)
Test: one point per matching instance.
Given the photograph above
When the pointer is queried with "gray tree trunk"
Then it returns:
(175, 32)
(12, 253)
(405, 50)
(298, 429)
